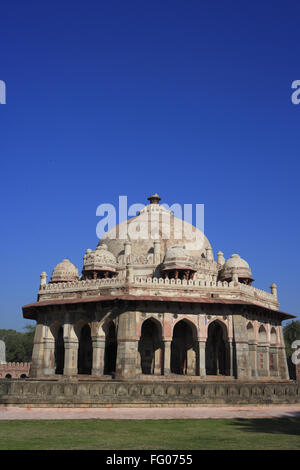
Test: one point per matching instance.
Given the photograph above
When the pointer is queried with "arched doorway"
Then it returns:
(150, 348)
(59, 351)
(110, 354)
(85, 351)
(183, 355)
(216, 353)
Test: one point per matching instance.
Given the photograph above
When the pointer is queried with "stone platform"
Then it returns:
(112, 393)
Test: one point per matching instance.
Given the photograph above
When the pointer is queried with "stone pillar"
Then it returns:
(167, 357)
(202, 366)
(43, 282)
(156, 251)
(221, 259)
(127, 346)
(263, 360)
(253, 359)
(241, 359)
(282, 362)
(127, 251)
(49, 361)
(71, 357)
(191, 362)
(36, 367)
(209, 254)
(98, 344)
(268, 360)
(230, 353)
(157, 361)
(274, 372)
(273, 288)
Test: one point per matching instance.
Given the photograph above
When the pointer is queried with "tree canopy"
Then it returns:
(18, 344)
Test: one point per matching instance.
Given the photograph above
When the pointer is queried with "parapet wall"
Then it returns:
(14, 370)
(70, 393)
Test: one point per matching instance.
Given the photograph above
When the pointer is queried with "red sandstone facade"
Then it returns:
(14, 370)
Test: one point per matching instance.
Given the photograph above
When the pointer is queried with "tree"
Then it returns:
(18, 345)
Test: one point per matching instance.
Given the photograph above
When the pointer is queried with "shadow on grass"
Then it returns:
(288, 426)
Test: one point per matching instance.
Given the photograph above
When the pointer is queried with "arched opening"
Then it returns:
(273, 336)
(59, 351)
(262, 334)
(23, 376)
(183, 355)
(85, 351)
(216, 353)
(150, 348)
(110, 354)
(8, 376)
(250, 332)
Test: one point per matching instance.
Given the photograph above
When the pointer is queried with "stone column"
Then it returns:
(157, 361)
(71, 357)
(282, 362)
(98, 344)
(167, 357)
(49, 360)
(253, 359)
(156, 251)
(191, 362)
(202, 365)
(127, 346)
(230, 352)
(241, 358)
(36, 367)
(268, 360)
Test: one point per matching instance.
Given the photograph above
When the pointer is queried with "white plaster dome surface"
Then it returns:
(64, 271)
(154, 222)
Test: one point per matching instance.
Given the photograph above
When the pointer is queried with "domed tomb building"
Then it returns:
(153, 301)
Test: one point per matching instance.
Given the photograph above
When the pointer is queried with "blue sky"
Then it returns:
(190, 99)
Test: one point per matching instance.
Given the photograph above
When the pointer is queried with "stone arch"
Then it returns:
(273, 336)
(150, 346)
(154, 319)
(262, 334)
(110, 352)
(189, 322)
(85, 349)
(217, 355)
(184, 357)
(250, 332)
(57, 333)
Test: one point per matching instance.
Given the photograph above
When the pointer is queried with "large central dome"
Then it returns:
(154, 222)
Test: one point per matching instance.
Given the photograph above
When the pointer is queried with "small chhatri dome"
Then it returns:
(236, 264)
(178, 258)
(99, 260)
(64, 271)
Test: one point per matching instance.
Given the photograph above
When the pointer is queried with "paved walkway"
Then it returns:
(151, 413)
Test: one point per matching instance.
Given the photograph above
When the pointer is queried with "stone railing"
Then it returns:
(195, 284)
(82, 285)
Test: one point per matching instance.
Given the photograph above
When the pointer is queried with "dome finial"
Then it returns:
(154, 199)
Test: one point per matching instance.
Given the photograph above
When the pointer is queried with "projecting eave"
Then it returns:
(31, 311)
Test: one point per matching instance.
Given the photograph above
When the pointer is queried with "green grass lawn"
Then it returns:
(172, 434)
